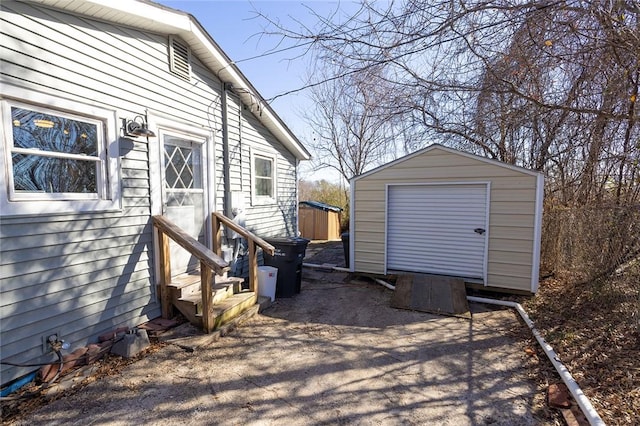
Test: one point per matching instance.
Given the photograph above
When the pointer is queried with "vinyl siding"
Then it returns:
(84, 274)
(278, 218)
(77, 275)
(247, 135)
(511, 212)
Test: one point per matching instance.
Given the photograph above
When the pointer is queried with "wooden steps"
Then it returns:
(229, 299)
(231, 307)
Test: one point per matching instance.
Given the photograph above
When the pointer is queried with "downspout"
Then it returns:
(226, 161)
(297, 218)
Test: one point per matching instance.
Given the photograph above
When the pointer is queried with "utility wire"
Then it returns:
(273, 52)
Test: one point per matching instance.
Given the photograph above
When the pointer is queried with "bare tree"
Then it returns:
(550, 85)
(560, 99)
(353, 131)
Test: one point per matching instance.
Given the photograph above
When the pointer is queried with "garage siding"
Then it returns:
(512, 218)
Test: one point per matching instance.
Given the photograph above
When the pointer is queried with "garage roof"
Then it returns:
(450, 150)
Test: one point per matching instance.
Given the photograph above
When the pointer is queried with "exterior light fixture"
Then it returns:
(136, 127)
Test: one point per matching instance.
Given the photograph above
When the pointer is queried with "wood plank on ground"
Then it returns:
(431, 293)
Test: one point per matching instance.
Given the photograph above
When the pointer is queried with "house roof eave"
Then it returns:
(149, 16)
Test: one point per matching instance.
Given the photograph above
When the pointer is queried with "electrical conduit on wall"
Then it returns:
(226, 160)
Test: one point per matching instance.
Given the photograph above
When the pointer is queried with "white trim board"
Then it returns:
(451, 151)
(537, 234)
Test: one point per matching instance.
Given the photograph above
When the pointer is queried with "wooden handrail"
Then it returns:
(193, 246)
(265, 246)
(252, 240)
(209, 262)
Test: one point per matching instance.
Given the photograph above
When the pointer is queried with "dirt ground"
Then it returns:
(334, 354)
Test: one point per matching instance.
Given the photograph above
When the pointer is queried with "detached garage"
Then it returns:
(446, 212)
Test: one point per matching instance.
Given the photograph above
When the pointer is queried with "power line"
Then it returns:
(273, 52)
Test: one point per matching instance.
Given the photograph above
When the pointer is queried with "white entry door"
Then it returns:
(438, 229)
(183, 196)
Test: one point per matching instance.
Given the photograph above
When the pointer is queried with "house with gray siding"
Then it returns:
(113, 113)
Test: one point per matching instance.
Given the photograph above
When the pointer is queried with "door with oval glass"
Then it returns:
(183, 196)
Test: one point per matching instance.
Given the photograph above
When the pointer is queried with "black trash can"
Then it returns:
(345, 246)
(288, 256)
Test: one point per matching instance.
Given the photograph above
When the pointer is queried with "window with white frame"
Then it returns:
(58, 157)
(264, 178)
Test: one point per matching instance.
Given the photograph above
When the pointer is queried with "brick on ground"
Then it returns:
(558, 396)
(158, 325)
(97, 351)
(112, 334)
(70, 361)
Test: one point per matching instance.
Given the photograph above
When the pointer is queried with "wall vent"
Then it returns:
(179, 58)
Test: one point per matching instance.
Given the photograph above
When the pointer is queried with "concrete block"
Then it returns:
(131, 344)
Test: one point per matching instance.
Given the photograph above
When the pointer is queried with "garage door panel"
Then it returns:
(455, 226)
(450, 207)
(422, 218)
(442, 256)
(444, 215)
(430, 228)
(441, 260)
(431, 238)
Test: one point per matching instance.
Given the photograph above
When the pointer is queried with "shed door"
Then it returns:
(438, 229)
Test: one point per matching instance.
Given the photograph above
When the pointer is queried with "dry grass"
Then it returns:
(588, 306)
(589, 242)
(595, 328)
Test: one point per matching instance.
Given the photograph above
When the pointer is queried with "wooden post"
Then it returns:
(217, 235)
(206, 288)
(253, 266)
(165, 275)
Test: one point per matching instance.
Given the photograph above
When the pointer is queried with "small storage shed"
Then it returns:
(319, 221)
(447, 212)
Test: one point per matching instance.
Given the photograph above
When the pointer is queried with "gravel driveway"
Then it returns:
(334, 354)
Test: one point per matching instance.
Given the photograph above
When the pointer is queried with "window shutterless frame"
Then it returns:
(55, 156)
(57, 161)
(263, 178)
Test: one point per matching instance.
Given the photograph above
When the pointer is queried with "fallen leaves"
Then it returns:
(594, 333)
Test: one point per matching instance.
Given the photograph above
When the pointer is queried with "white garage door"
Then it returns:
(437, 229)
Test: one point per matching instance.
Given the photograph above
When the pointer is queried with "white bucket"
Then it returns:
(267, 277)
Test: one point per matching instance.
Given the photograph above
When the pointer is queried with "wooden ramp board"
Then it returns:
(431, 293)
